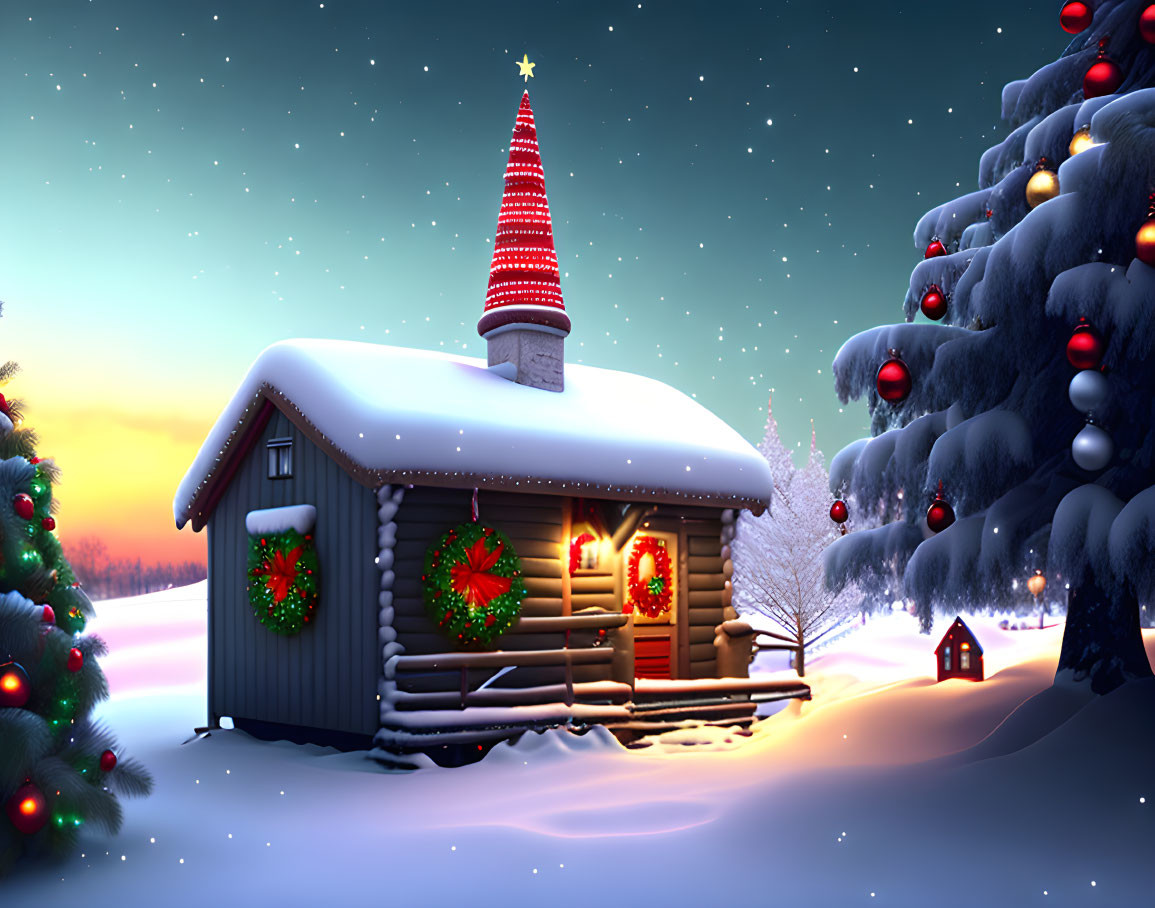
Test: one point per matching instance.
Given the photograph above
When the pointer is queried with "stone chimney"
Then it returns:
(524, 322)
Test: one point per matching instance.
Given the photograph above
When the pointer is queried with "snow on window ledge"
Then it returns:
(299, 517)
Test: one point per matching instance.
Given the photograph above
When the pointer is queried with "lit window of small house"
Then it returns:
(280, 458)
(959, 654)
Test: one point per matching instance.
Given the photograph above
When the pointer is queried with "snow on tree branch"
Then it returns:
(1108, 295)
(1080, 533)
(941, 570)
(1051, 87)
(1132, 540)
(999, 160)
(855, 555)
(980, 458)
(857, 362)
(949, 219)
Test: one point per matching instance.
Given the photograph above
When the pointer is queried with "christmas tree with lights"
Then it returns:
(1012, 443)
(58, 768)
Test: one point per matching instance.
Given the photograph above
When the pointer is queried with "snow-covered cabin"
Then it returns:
(605, 484)
(959, 654)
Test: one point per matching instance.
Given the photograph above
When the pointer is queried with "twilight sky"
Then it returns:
(734, 189)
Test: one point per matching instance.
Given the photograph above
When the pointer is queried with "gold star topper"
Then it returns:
(526, 67)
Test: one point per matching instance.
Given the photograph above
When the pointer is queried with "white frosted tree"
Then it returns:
(1030, 399)
(778, 567)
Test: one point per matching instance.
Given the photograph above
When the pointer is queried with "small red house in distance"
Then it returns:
(959, 654)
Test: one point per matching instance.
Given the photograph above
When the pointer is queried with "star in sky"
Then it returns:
(526, 67)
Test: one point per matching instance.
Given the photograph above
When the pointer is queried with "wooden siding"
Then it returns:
(326, 676)
(704, 591)
(534, 524)
(600, 592)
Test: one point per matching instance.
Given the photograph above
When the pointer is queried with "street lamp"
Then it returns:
(1036, 585)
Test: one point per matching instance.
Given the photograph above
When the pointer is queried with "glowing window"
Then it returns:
(583, 552)
(946, 658)
(964, 657)
(280, 458)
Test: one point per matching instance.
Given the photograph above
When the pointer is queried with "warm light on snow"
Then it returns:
(693, 791)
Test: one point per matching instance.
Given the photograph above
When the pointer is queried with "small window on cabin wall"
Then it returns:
(587, 537)
(946, 658)
(964, 657)
(280, 458)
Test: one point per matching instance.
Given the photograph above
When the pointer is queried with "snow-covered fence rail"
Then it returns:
(500, 658)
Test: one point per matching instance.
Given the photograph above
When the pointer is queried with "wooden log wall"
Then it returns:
(534, 524)
(706, 588)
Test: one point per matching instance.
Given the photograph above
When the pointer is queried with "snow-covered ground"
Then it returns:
(873, 794)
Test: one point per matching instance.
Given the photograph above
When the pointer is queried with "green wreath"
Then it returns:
(283, 580)
(472, 584)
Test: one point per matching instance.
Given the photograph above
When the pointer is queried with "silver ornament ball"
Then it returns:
(1092, 448)
(1088, 390)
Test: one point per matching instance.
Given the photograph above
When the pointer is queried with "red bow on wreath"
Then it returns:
(282, 571)
(472, 579)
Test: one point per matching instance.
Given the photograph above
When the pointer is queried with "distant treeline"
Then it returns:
(103, 578)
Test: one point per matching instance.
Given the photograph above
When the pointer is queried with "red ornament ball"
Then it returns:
(107, 761)
(27, 809)
(75, 660)
(940, 515)
(1147, 24)
(48, 523)
(22, 505)
(838, 511)
(1145, 238)
(3, 405)
(933, 303)
(49, 616)
(893, 380)
(1103, 78)
(935, 247)
(1085, 348)
(14, 685)
(1074, 17)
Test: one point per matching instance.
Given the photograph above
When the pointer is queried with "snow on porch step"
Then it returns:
(653, 691)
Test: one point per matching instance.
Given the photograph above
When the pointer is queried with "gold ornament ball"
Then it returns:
(1081, 141)
(1043, 185)
(1037, 584)
(1145, 243)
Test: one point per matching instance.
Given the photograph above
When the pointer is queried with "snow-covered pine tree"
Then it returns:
(57, 766)
(1046, 273)
(771, 447)
(777, 556)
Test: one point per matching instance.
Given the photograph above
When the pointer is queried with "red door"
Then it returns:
(652, 656)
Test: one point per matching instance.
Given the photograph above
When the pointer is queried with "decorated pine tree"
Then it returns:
(778, 568)
(58, 768)
(1012, 421)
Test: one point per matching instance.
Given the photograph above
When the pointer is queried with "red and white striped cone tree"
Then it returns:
(524, 284)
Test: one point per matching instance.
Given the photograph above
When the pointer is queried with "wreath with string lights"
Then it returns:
(652, 596)
(472, 584)
(282, 571)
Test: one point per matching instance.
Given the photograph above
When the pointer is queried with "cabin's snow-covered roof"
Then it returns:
(398, 411)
